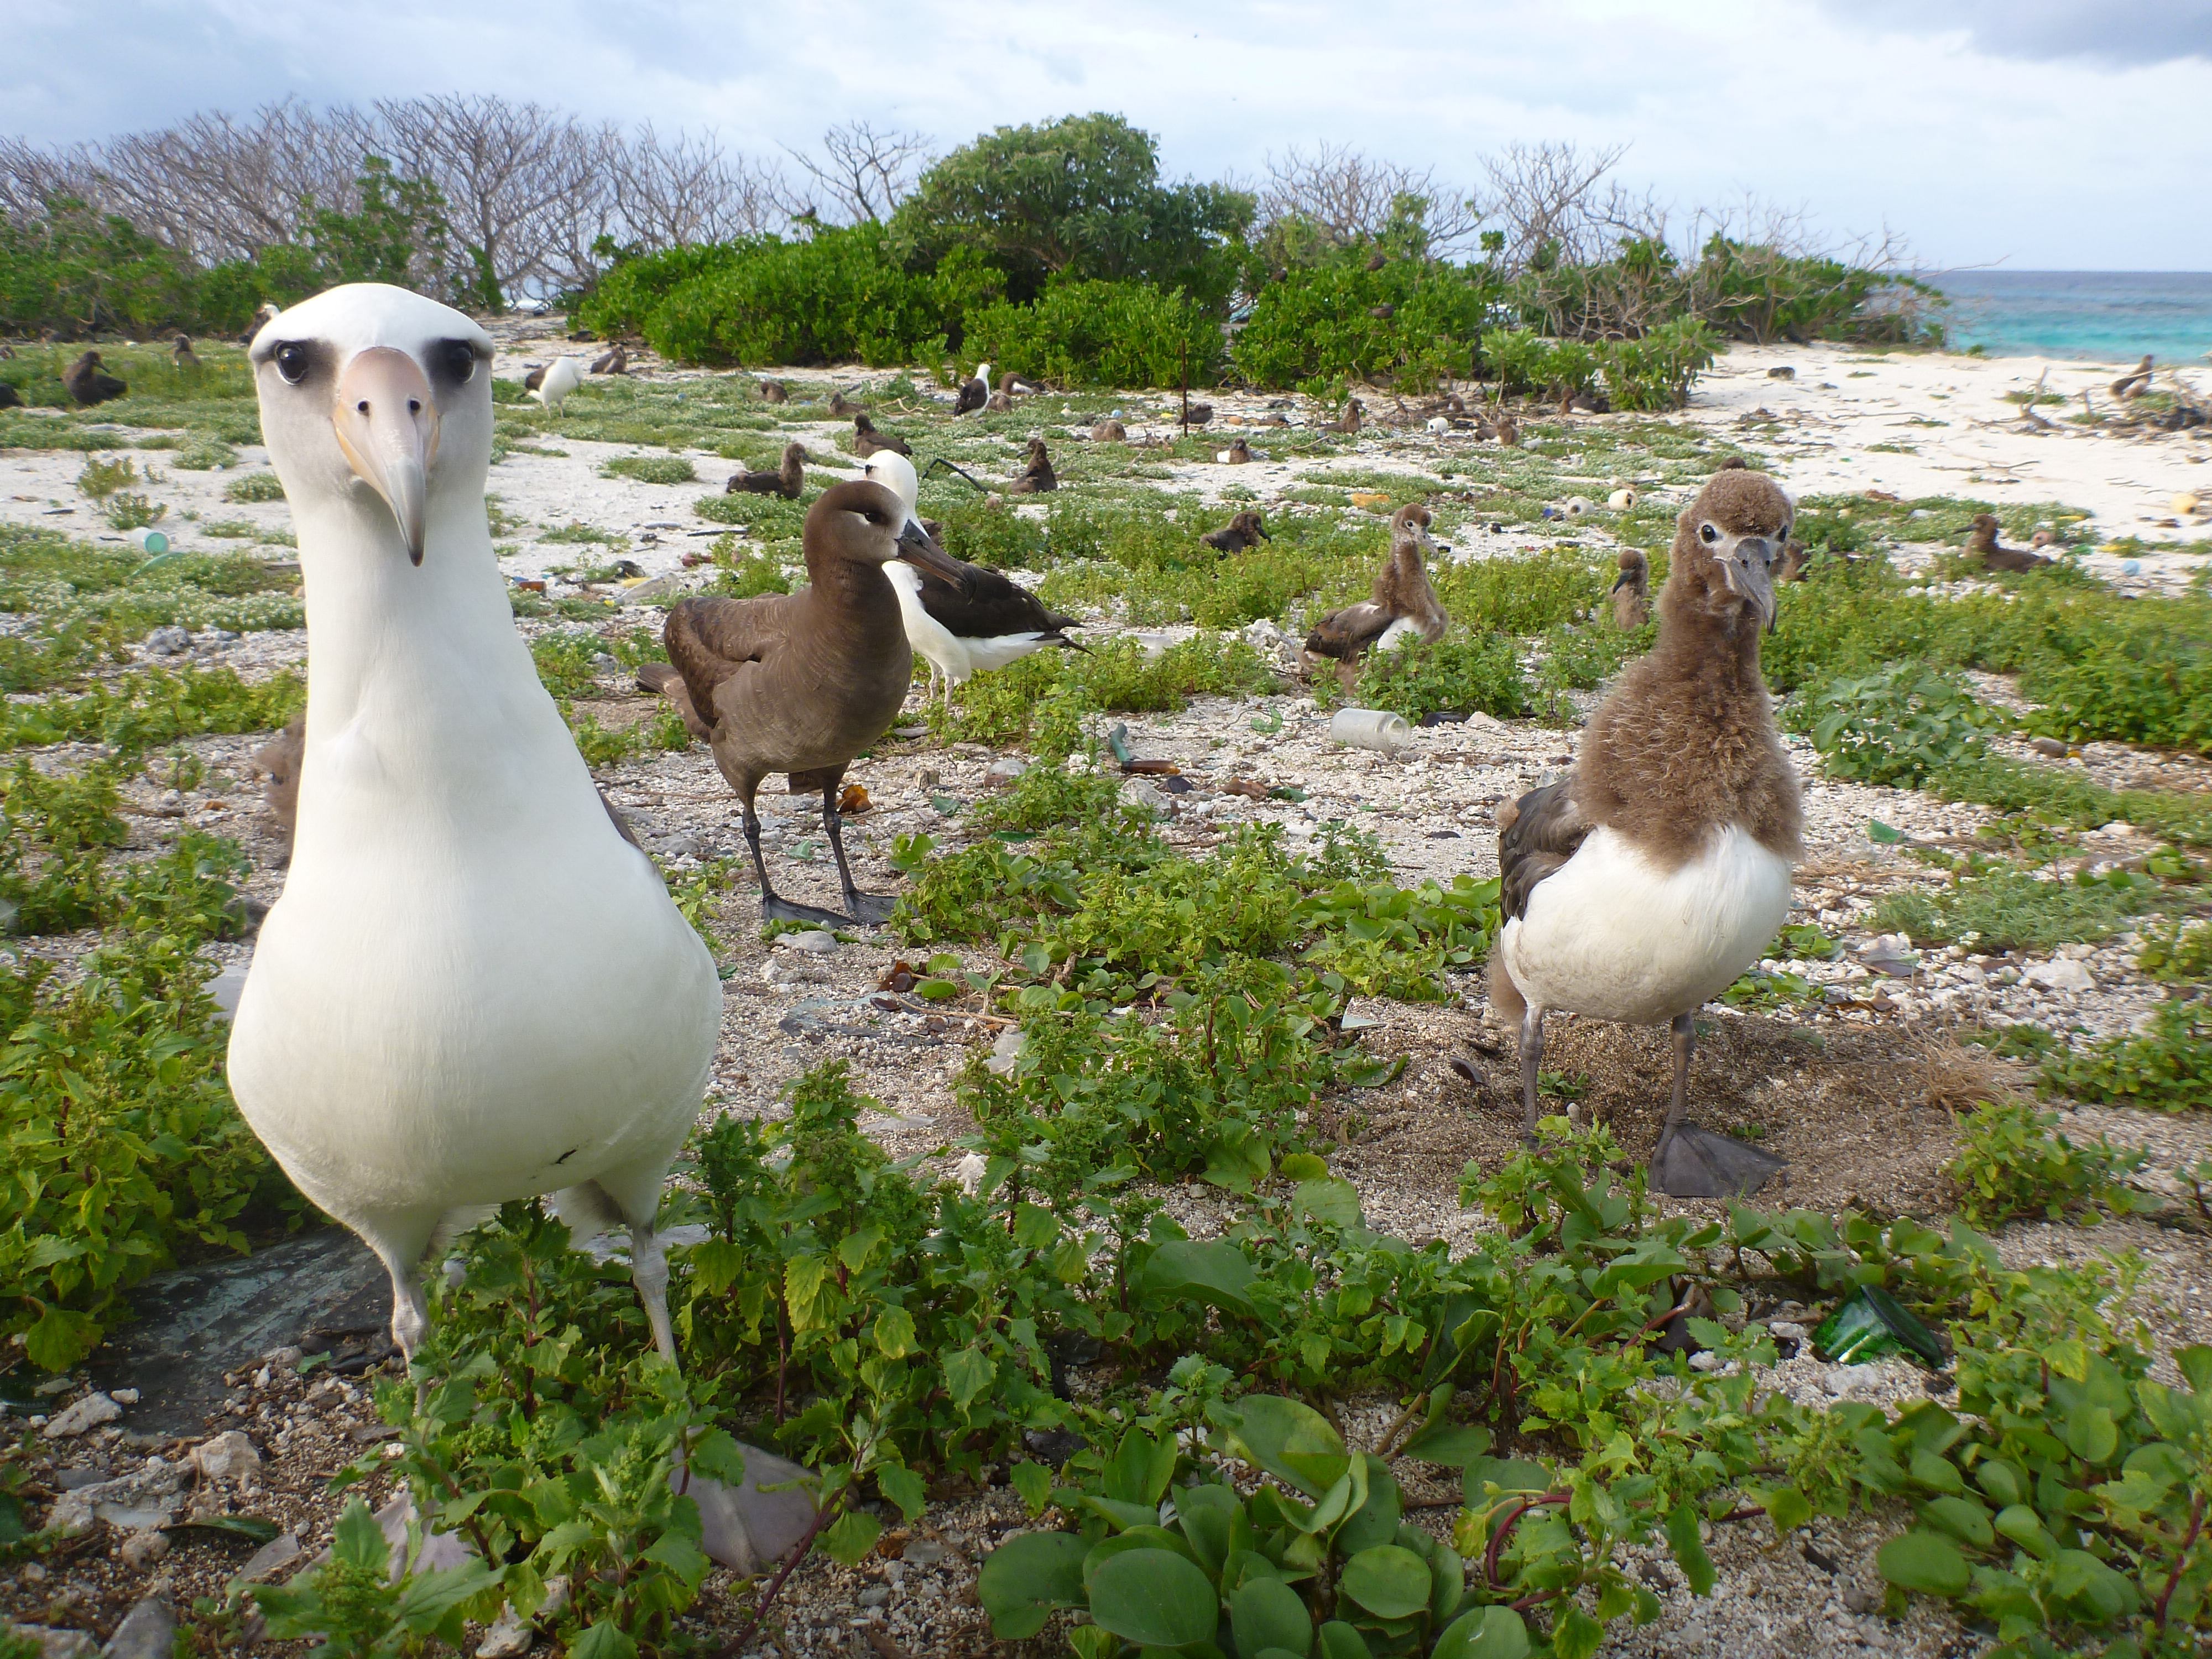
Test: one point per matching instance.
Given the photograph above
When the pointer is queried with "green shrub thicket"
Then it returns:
(1077, 333)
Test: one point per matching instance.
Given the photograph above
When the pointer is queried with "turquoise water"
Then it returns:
(2111, 316)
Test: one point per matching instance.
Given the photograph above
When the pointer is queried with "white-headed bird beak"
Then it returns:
(387, 425)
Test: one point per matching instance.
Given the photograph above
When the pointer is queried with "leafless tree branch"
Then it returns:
(861, 174)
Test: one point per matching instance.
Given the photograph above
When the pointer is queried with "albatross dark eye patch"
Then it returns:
(454, 361)
(297, 360)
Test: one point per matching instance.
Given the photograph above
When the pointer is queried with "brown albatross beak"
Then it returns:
(387, 425)
(916, 548)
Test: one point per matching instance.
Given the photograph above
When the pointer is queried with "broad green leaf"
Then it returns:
(1689, 1548)
(1209, 1515)
(1389, 1582)
(1456, 1445)
(1304, 1166)
(1267, 1613)
(1154, 1598)
(2195, 1363)
(967, 1373)
(603, 1640)
(1936, 1473)
(895, 1333)
(1142, 1466)
(1506, 1474)
(851, 1536)
(1338, 1640)
(1962, 1517)
(1376, 1521)
(1210, 1271)
(904, 1488)
(2001, 1481)
(2091, 1434)
(357, 1541)
(1879, 832)
(1026, 1578)
(1787, 1509)
(1923, 1562)
(1034, 1482)
(674, 1550)
(1289, 1440)
(1576, 1635)
(1150, 1536)
(1485, 1633)
(61, 1337)
(2025, 1528)
(1329, 1199)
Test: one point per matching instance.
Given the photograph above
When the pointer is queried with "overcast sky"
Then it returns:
(2037, 134)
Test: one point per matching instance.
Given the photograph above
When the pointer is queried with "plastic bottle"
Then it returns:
(153, 541)
(1371, 728)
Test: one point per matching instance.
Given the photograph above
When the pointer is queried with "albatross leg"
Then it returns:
(869, 909)
(1532, 1057)
(1690, 1162)
(779, 910)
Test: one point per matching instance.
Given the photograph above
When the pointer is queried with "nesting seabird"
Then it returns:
(89, 383)
(1632, 591)
(182, 355)
(1109, 431)
(774, 391)
(612, 362)
(1246, 529)
(866, 440)
(1401, 606)
(801, 683)
(974, 393)
(787, 480)
(1982, 544)
(1237, 454)
(473, 989)
(1037, 476)
(990, 622)
(1643, 883)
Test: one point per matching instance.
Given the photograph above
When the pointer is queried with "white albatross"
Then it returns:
(474, 990)
(560, 378)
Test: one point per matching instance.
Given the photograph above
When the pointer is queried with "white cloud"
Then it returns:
(2041, 134)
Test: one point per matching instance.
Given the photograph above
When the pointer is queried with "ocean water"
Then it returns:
(2106, 316)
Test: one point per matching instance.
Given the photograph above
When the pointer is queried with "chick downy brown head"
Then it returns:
(1727, 543)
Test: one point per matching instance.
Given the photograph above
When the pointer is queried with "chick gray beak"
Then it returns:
(915, 547)
(1747, 567)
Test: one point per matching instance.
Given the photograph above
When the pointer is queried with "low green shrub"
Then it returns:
(1076, 333)
(147, 710)
(1901, 725)
(2167, 1066)
(2013, 1161)
(1461, 673)
(254, 486)
(652, 469)
(1320, 328)
(2002, 908)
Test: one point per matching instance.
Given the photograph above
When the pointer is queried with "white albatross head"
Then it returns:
(895, 473)
(368, 387)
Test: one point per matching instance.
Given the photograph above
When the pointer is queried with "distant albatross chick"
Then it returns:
(1401, 606)
(1037, 476)
(866, 440)
(1983, 544)
(612, 362)
(995, 621)
(1643, 883)
(1247, 529)
(1632, 591)
(182, 355)
(787, 480)
(473, 989)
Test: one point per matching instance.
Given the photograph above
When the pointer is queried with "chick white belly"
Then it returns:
(471, 1036)
(1612, 935)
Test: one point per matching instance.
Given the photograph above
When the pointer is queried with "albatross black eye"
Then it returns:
(291, 360)
(1708, 535)
(457, 359)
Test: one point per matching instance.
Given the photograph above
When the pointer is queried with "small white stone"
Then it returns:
(142, 1549)
(2061, 974)
(124, 1396)
(225, 1457)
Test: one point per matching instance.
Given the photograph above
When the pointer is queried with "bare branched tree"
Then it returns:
(1349, 196)
(861, 174)
(1543, 197)
(686, 189)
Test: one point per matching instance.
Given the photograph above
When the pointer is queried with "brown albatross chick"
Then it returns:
(1109, 431)
(183, 355)
(280, 759)
(866, 440)
(1349, 421)
(1247, 529)
(801, 683)
(1982, 544)
(1643, 883)
(612, 362)
(785, 481)
(774, 391)
(89, 383)
(1038, 478)
(1632, 591)
(2135, 385)
(1401, 604)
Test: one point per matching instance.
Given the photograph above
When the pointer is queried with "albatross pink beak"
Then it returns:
(387, 425)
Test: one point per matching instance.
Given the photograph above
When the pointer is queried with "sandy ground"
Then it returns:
(1859, 1092)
